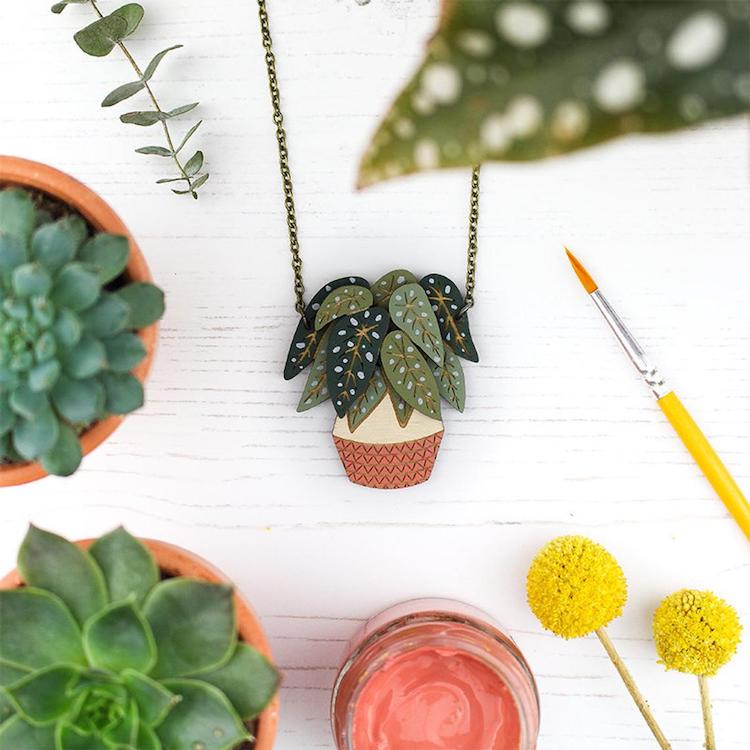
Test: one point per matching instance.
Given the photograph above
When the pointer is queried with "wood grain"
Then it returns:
(558, 435)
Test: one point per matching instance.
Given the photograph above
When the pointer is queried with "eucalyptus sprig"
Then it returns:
(98, 39)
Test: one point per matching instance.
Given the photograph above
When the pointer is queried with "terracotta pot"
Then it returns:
(88, 204)
(383, 455)
(176, 561)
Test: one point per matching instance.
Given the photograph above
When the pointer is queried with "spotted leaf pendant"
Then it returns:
(384, 354)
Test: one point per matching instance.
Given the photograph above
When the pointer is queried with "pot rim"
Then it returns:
(177, 560)
(31, 174)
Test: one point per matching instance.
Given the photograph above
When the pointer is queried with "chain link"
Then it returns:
(286, 180)
(286, 174)
(473, 249)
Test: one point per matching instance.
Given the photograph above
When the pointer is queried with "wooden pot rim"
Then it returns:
(99, 214)
(177, 561)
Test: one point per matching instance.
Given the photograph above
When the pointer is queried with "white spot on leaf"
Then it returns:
(570, 120)
(523, 24)
(441, 82)
(589, 17)
(475, 42)
(525, 115)
(620, 86)
(426, 154)
(495, 133)
(697, 41)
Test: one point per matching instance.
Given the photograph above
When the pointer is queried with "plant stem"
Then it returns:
(635, 693)
(708, 722)
(151, 94)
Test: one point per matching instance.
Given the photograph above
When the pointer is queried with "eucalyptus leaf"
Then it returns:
(121, 93)
(154, 64)
(154, 151)
(518, 81)
(129, 568)
(409, 374)
(194, 164)
(143, 118)
(188, 135)
(99, 38)
(48, 561)
(133, 15)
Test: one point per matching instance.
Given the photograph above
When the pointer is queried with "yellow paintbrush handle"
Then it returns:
(705, 456)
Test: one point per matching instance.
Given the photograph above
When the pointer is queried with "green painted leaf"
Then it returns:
(119, 638)
(384, 287)
(43, 697)
(194, 624)
(345, 300)
(146, 303)
(366, 403)
(121, 93)
(99, 38)
(194, 164)
(16, 213)
(188, 135)
(48, 561)
(316, 388)
(409, 374)
(123, 392)
(76, 287)
(85, 359)
(447, 303)
(411, 311)
(37, 630)
(516, 81)
(450, 380)
(352, 355)
(55, 244)
(64, 457)
(106, 317)
(154, 64)
(32, 438)
(129, 568)
(203, 718)
(78, 401)
(16, 734)
(124, 351)
(107, 253)
(133, 15)
(154, 151)
(153, 699)
(248, 679)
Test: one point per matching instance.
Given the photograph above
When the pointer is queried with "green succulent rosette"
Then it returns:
(98, 653)
(68, 332)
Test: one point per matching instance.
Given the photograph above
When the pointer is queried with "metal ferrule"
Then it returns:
(650, 373)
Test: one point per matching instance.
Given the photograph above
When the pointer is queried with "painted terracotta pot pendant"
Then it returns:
(384, 354)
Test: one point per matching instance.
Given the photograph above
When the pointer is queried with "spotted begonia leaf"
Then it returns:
(409, 374)
(447, 303)
(316, 388)
(387, 284)
(307, 338)
(364, 405)
(352, 355)
(347, 300)
(411, 311)
(517, 80)
(402, 410)
(451, 381)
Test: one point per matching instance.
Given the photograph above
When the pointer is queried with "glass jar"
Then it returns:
(432, 663)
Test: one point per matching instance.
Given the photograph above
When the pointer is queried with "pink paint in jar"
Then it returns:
(434, 674)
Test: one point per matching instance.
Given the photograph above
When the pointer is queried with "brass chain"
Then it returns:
(286, 174)
(286, 180)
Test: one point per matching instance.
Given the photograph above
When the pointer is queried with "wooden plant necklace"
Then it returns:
(384, 353)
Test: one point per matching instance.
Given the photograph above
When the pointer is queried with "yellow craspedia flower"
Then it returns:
(574, 586)
(696, 632)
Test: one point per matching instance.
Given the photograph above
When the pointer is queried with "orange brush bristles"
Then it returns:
(583, 275)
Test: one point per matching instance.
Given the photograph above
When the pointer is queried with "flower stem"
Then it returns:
(152, 96)
(635, 693)
(708, 722)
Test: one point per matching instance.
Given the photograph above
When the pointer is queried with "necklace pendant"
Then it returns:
(384, 354)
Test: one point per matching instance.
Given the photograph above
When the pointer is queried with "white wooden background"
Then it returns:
(559, 436)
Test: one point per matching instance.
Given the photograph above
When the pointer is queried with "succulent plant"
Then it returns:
(399, 337)
(67, 332)
(517, 80)
(98, 653)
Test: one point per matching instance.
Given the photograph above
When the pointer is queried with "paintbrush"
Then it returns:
(690, 434)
